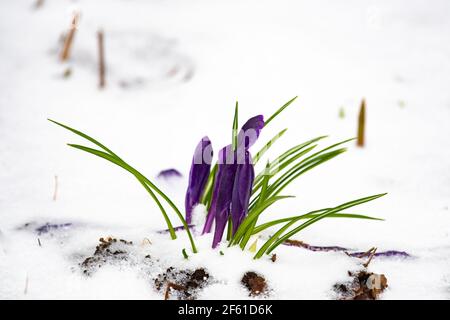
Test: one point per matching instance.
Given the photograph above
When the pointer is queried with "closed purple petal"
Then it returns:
(226, 155)
(222, 194)
(198, 175)
(250, 131)
(243, 183)
(223, 203)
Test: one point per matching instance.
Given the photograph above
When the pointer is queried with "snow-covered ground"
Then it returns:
(174, 71)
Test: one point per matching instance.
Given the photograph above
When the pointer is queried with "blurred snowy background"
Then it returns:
(174, 69)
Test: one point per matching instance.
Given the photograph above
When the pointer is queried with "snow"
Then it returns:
(174, 71)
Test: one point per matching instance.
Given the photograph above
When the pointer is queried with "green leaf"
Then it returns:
(121, 164)
(264, 149)
(284, 160)
(261, 199)
(298, 170)
(85, 136)
(277, 239)
(112, 157)
(253, 214)
(229, 228)
(235, 127)
(273, 116)
(207, 192)
(269, 224)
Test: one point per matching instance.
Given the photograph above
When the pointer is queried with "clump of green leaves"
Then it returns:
(267, 188)
(157, 195)
(274, 178)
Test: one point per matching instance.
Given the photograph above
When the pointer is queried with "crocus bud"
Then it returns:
(198, 175)
(242, 190)
(223, 186)
(250, 132)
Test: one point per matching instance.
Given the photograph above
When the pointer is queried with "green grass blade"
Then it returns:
(253, 215)
(207, 192)
(273, 116)
(286, 158)
(229, 228)
(301, 168)
(276, 167)
(135, 172)
(267, 225)
(261, 200)
(267, 146)
(140, 176)
(276, 241)
(235, 127)
(272, 239)
(119, 163)
(85, 136)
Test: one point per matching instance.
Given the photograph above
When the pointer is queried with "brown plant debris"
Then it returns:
(172, 286)
(181, 284)
(255, 283)
(363, 286)
(67, 73)
(101, 59)
(274, 257)
(68, 39)
(361, 124)
(372, 254)
(109, 250)
(301, 244)
(363, 254)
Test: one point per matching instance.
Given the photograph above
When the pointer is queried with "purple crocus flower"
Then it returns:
(198, 175)
(250, 131)
(242, 190)
(222, 191)
(233, 181)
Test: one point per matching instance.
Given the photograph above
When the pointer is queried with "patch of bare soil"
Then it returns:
(111, 251)
(181, 284)
(363, 286)
(173, 283)
(255, 283)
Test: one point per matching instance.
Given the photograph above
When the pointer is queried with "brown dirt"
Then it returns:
(181, 284)
(364, 286)
(255, 283)
(176, 283)
(109, 250)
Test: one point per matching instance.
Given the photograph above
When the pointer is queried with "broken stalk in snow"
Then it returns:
(361, 124)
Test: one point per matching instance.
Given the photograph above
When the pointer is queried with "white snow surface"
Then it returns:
(174, 71)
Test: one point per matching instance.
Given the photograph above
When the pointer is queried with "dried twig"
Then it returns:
(174, 286)
(372, 254)
(68, 40)
(361, 124)
(101, 59)
(362, 254)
